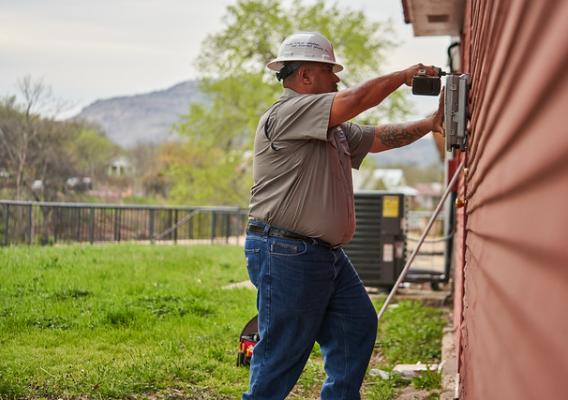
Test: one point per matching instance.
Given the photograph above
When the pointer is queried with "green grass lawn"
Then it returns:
(136, 321)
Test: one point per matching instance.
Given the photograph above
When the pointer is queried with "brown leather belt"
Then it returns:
(259, 228)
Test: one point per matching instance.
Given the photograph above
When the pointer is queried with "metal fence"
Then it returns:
(417, 221)
(24, 222)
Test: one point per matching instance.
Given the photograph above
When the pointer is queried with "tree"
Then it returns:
(91, 150)
(232, 63)
(38, 148)
(19, 130)
(147, 163)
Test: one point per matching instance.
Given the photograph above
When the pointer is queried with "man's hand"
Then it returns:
(410, 72)
(438, 116)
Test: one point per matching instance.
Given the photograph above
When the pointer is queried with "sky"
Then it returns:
(88, 50)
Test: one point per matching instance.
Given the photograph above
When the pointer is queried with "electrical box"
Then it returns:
(378, 247)
(456, 113)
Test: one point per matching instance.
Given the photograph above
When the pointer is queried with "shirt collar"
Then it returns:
(289, 93)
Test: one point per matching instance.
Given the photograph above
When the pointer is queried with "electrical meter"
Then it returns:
(456, 112)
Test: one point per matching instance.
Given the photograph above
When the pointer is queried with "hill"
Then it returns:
(420, 153)
(143, 118)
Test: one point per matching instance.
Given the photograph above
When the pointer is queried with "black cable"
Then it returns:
(450, 58)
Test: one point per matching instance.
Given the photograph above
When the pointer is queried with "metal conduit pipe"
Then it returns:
(426, 230)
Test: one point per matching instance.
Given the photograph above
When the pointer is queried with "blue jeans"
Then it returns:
(307, 293)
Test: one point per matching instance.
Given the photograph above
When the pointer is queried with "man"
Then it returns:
(302, 211)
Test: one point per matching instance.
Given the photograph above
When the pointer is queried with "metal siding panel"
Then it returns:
(516, 276)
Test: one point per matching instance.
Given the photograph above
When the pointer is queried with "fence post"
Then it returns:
(169, 224)
(227, 227)
(151, 224)
(92, 225)
(213, 224)
(176, 226)
(43, 222)
(6, 224)
(79, 222)
(30, 225)
(190, 226)
(117, 224)
(55, 224)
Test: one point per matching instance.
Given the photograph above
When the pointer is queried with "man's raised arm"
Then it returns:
(349, 103)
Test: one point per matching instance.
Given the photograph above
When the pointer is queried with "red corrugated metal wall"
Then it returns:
(514, 332)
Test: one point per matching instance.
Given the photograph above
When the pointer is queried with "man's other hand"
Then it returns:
(438, 116)
(438, 128)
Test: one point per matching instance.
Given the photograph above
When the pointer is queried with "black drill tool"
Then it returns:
(427, 85)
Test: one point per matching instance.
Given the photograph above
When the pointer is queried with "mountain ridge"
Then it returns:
(143, 118)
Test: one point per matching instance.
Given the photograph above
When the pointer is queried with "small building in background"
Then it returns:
(390, 179)
(120, 166)
(428, 195)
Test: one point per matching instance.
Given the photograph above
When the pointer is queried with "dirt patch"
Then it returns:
(193, 393)
(239, 285)
(449, 358)
(410, 393)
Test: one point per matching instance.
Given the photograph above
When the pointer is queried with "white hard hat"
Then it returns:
(305, 46)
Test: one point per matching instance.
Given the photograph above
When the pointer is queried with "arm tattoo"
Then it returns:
(400, 135)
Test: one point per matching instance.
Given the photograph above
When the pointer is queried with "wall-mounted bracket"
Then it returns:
(456, 112)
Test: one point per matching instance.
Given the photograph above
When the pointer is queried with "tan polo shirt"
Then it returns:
(302, 172)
